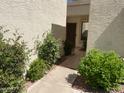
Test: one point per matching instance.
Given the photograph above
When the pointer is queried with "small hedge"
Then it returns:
(49, 50)
(102, 70)
(13, 57)
(68, 47)
(37, 70)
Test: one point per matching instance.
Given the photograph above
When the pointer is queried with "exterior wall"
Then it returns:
(80, 9)
(106, 28)
(33, 17)
(78, 20)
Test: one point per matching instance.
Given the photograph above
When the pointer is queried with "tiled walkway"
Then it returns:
(60, 79)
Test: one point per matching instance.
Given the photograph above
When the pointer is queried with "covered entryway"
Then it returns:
(76, 31)
(78, 13)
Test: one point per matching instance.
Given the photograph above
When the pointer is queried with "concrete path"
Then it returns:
(59, 80)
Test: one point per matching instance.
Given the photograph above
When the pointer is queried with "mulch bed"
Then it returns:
(79, 84)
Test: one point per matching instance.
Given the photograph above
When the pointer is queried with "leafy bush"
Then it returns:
(68, 47)
(102, 69)
(13, 56)
(37, 70)
(49, 50)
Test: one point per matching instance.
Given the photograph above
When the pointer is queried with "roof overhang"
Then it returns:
(78, 2)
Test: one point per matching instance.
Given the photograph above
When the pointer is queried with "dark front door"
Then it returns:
(71, 33)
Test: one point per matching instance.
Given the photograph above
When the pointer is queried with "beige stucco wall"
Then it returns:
(33, 17)
(106, 28)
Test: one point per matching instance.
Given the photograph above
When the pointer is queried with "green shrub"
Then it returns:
(13, 57)
(49, 50)
(68, 47)
(37, 70)
(102, 69)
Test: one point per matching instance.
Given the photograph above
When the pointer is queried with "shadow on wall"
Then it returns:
(59, 31)
(113, 36)
(60, 34)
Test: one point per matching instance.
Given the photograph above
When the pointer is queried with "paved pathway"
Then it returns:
(60, 79)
